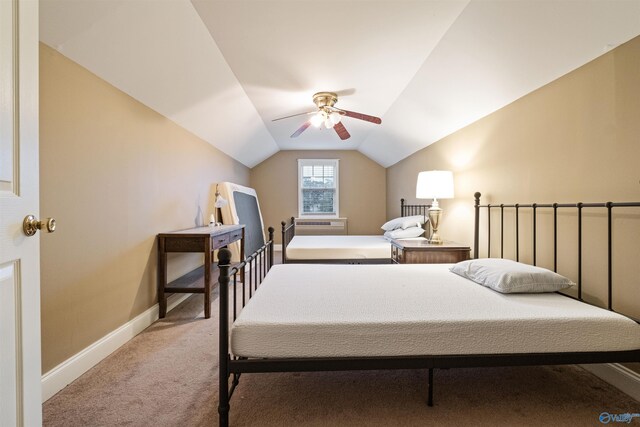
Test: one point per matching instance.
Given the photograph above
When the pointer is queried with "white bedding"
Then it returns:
(339, 247)
(400, 310)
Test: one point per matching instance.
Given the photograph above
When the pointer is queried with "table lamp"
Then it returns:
(219, 202)
(435, 185)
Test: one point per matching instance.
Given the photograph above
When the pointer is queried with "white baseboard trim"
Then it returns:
(69, 370)
(618, 376)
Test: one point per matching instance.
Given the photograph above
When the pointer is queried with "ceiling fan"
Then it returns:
(329, 116)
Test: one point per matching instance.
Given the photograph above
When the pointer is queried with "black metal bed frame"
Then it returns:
(235, 366)
(289, 232)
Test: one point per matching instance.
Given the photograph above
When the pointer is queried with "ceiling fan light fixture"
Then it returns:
(317, 119)
(328, 123)
(335, 117)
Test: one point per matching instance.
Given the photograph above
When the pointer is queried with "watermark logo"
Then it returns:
(606, 418)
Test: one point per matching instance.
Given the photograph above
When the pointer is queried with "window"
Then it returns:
(318, 188)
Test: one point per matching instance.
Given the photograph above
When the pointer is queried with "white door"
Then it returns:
(20, 389)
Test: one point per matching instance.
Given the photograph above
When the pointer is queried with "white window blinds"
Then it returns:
(318, 185)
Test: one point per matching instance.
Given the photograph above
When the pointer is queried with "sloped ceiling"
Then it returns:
(225, 69)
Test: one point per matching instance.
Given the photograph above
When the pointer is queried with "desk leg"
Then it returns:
(207, 278)
(162, 278)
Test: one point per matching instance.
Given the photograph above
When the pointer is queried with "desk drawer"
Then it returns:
(186, 244)
(220, 241)
(235, 235)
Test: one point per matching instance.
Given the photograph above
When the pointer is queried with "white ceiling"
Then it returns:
(225, 69)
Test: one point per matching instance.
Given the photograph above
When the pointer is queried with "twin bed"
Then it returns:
(349, 249)
(412, 310)
(346, 317)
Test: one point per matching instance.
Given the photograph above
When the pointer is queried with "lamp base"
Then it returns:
(435, 214)
(435, 239)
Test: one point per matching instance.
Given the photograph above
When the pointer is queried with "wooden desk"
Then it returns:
(423, 252)
(201, 239)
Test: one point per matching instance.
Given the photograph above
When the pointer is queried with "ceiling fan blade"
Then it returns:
(360, 116)
(341, 131)
(345, 92)
(293, 115)
(301, 129)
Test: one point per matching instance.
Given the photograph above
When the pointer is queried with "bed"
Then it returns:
(351, 249)
(426, 310)
(346, 317)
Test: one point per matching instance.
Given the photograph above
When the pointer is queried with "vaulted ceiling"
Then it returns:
(225, 69)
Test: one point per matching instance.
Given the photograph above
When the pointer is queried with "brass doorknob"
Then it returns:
(31, 225)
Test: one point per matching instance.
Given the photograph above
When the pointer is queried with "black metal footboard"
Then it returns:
(288, 232)
(254, 268)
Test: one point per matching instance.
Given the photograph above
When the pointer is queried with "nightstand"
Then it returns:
(423, 252)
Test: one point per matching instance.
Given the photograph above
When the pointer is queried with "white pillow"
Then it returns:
(404, 222)
(507, 276)
(404, 234)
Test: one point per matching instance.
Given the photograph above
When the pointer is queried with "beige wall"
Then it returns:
(362, 189)
(113, 173)
(576, 139)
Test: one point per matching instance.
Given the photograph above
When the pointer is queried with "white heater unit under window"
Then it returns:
(319, 226)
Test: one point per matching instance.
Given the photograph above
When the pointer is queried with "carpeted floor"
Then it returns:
(167, 376)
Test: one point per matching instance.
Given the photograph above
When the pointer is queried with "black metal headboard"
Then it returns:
(410, 210)
(535, 207)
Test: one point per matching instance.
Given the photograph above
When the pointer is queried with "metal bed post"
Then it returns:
(284, 244)
(501, 230)
(579, 205)
(476, 231)
(517, 232)
(535, 207)
(609, 206)
(224, 258)
(235, 297)
(271, 230)
(489, 230)
(555, 237)
(249, 259)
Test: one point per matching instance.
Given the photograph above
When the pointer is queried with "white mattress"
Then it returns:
(400, 310)
(339, 247)
(230, 213)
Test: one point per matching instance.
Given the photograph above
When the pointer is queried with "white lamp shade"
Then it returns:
(434, 185)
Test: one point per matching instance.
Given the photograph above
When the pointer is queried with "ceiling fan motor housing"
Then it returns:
(325, 99)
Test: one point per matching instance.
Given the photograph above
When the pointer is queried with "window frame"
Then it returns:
(336, 200)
